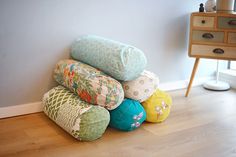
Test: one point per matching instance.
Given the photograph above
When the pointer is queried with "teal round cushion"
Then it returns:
(121, 61)
(128, 116)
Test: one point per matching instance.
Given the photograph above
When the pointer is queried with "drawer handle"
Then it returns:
(218, 51)
(208, 36)
(203, 21)
(232, 22)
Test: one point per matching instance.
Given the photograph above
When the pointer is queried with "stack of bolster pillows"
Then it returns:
(104, 84)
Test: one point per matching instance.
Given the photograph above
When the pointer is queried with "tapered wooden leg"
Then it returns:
(192, 76)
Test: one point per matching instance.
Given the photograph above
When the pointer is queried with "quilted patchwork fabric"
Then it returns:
(121, 61)
(141, 88)
(83, 121)
(157, 106)
(128, 116)
(90, 84)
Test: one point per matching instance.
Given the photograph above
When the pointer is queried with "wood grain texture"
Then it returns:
(232, 37)
(218, 36)
(201, 125)
(212, 23)
(192, 76)
(209, 21)
(207, 48)
(206, 51)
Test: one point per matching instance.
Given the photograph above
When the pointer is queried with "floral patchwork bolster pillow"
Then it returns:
(157, 106)
(83, 121)
(141, 88)
(90, 84)
(128, 116)
(121, 61)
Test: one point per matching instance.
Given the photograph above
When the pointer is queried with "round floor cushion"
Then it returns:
(157, 106)
(83, 121)
(128, 116)
(121, 61)
(141, 88)
(90, 84)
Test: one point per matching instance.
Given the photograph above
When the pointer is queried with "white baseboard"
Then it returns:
(35, 107)
(23, 109)
(229, 76)
(169, 86)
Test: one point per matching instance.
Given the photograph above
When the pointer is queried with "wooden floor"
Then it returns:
(202, 125)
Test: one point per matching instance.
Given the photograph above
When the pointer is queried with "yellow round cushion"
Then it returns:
(157, 106)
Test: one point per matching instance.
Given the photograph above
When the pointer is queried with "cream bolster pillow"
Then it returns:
(121, 61)
(141, 88)
(83, 121)
(90, 84)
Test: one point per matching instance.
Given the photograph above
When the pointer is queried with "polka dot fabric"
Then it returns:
(141, 88)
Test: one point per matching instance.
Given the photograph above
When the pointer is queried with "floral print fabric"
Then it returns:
(157, 106)
(90, 84)
(128, 116)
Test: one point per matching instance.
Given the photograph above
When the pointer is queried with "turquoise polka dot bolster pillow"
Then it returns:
(83, 121)
(128, 116)
(121, 61)
(141, 88)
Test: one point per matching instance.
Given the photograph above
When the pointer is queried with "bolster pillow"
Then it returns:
(158, 106)
(142, 87)
(83, 121)
(121, 61)
(90, 84)
(128, 116)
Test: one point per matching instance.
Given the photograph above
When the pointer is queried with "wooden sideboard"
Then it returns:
(212, 35)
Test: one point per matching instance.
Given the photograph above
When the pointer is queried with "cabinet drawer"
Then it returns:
(203, 21)
(206, 36)
(232, 38)
(214, 51)
(227, 22)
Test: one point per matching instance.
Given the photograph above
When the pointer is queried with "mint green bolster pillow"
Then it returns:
(90, 84)
(83, 121)
(121, 61)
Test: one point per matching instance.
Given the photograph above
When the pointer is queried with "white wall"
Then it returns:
(35, 34)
